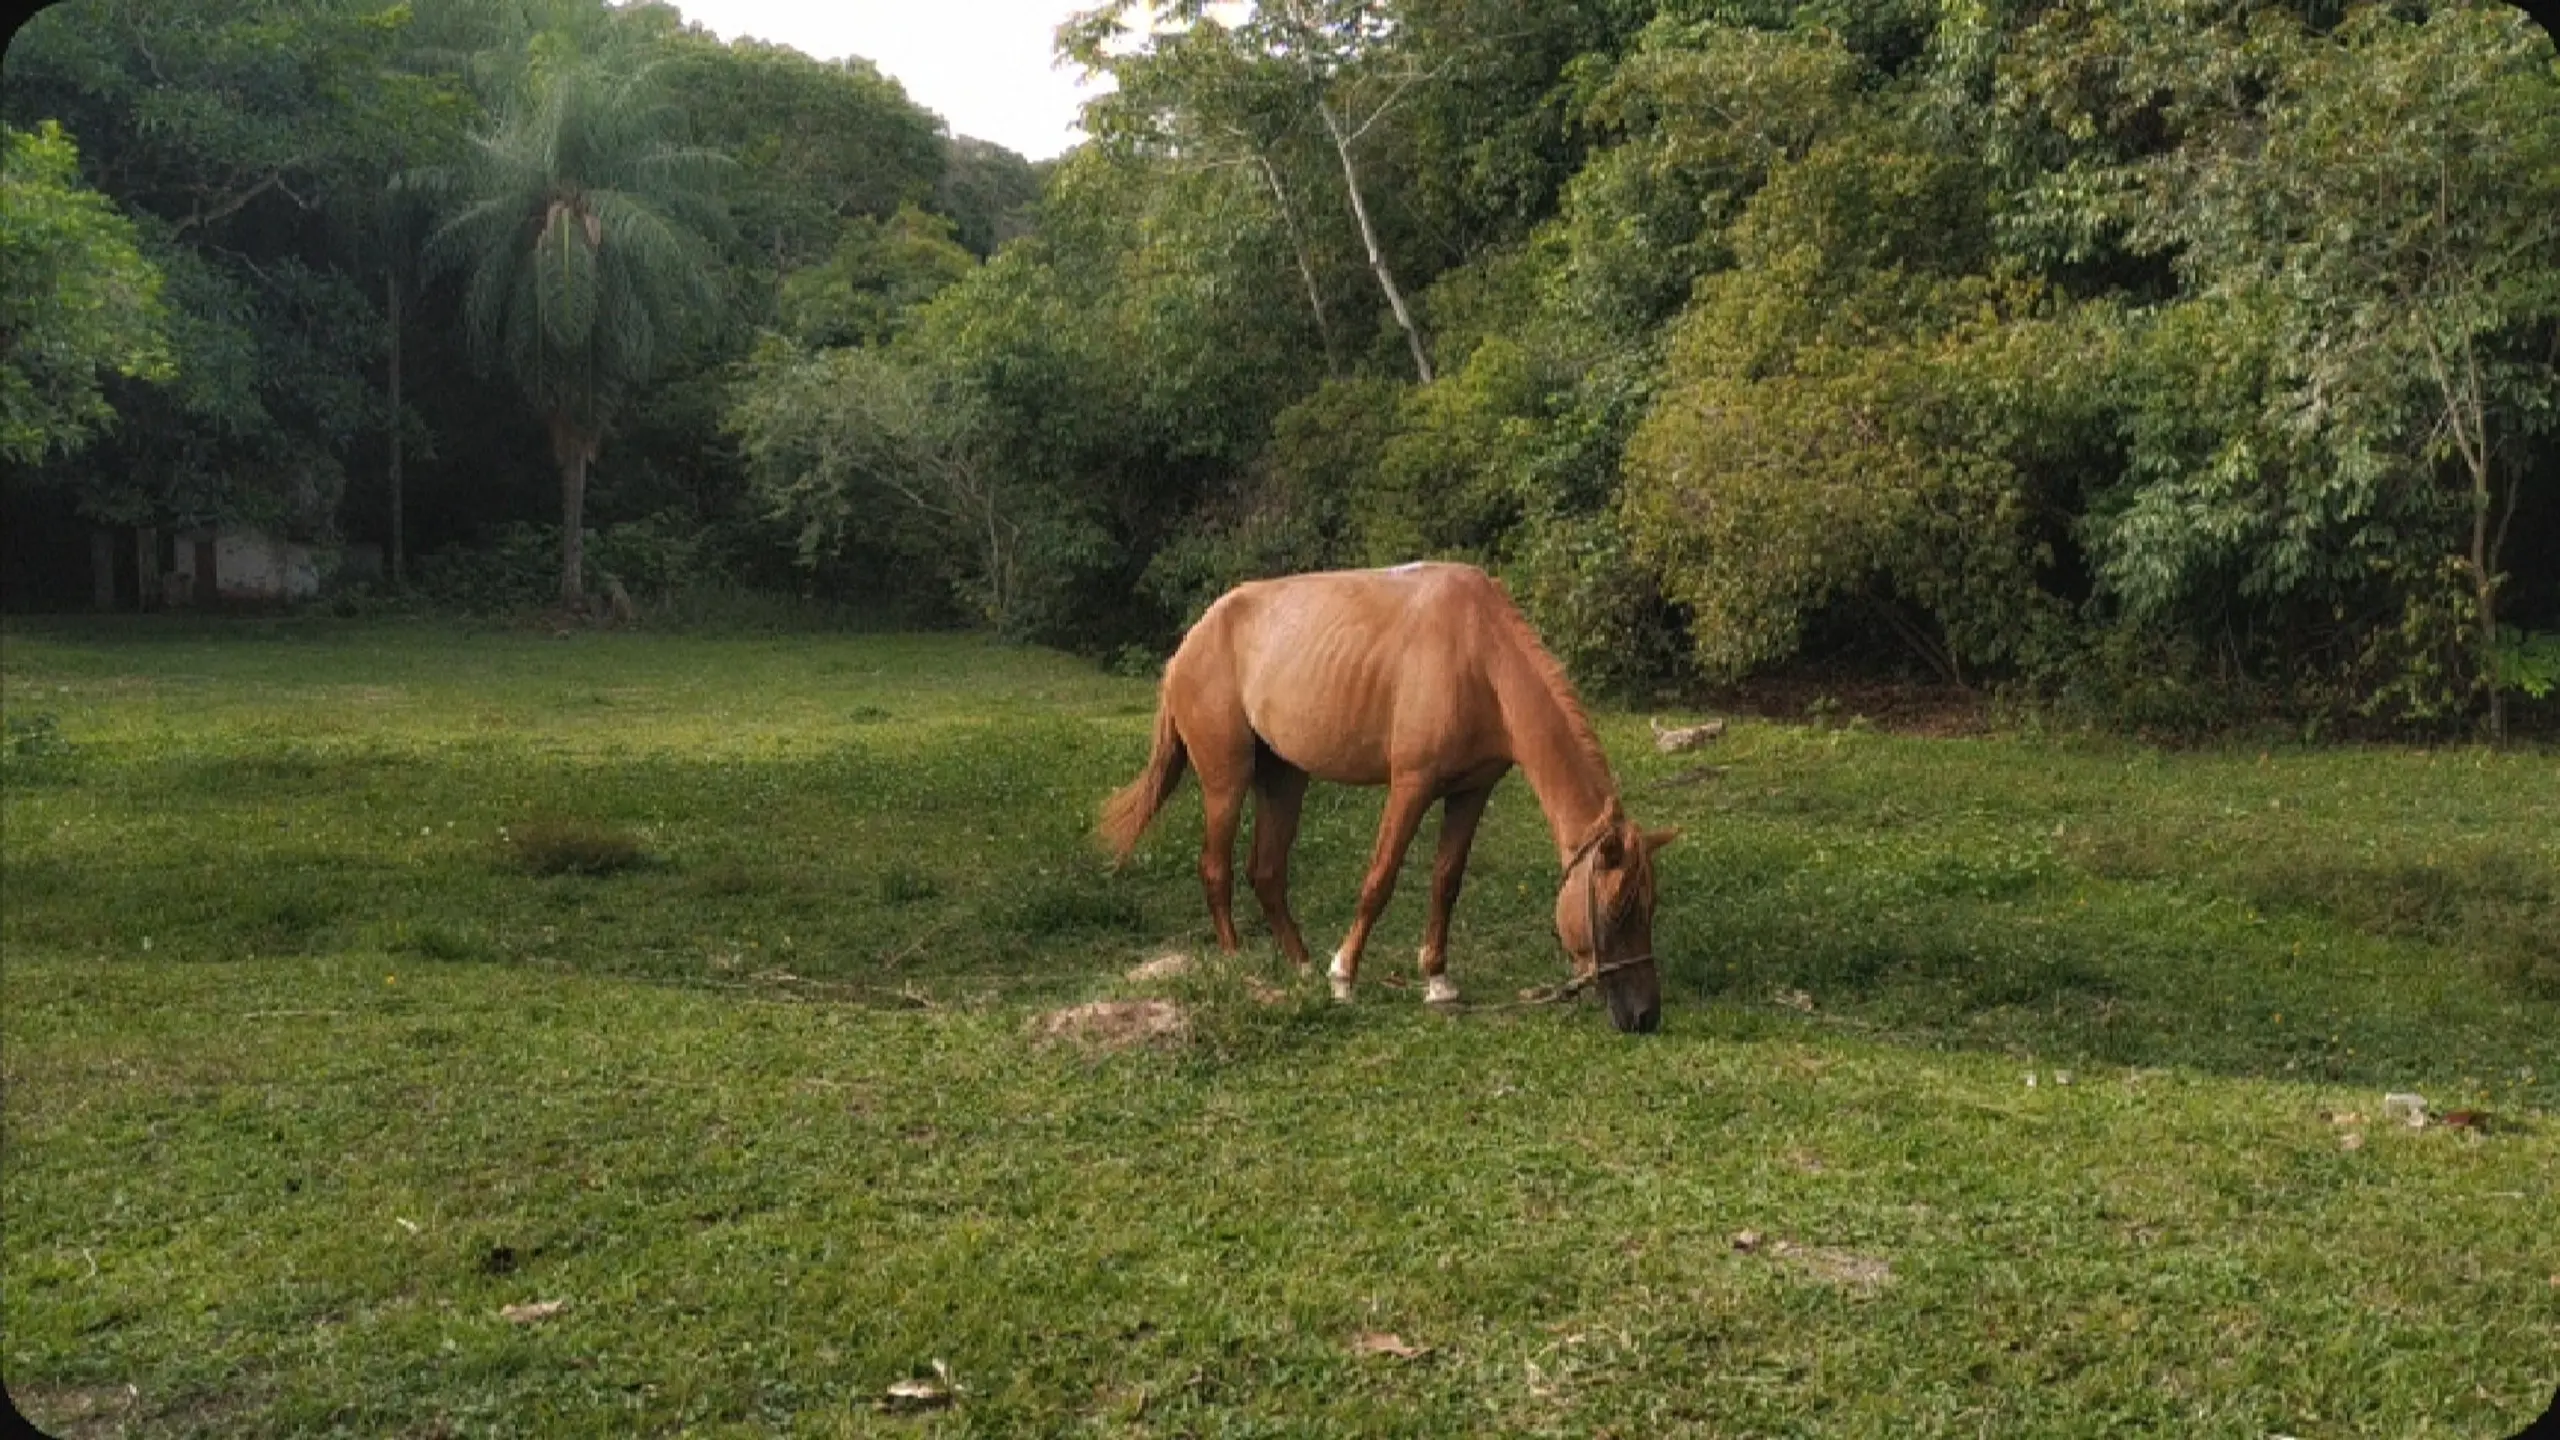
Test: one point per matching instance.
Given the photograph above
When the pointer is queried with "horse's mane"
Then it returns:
(1559, 685)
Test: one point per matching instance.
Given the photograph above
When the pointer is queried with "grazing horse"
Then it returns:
(1424, 679)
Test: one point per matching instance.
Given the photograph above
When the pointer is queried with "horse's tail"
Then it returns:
(1129, 809)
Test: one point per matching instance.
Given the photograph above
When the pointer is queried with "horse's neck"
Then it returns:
(1571, 779)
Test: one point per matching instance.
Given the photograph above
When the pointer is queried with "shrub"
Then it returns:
(555, 846)
(34, 737)
(1597, 610)
(516, 567)
(905, 885)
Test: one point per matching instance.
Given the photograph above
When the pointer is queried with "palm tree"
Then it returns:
(582, 229)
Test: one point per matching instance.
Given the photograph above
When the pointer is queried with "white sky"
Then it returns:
(984, 66)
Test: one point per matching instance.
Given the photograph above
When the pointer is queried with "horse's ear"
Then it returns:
(1656, 839)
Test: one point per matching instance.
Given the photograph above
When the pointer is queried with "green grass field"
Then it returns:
(2041, 1077)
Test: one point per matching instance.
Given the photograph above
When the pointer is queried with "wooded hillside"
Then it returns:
(2175, 361)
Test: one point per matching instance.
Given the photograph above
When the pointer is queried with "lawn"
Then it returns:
(367, 983)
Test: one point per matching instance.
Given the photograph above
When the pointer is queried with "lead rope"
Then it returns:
(1558, 994)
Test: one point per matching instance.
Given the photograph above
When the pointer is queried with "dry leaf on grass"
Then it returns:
(918, 1394)
(1746, 1241)
(1264, 992)
(2352, 1140)
(1373, 1342)
(527, 1314)
(2467, 1119)
(1672, 739)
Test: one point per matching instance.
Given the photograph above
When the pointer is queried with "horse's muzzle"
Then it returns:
(1635, 1018)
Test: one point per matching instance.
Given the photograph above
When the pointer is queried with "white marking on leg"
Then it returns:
(1436, 989)
(1340, 975)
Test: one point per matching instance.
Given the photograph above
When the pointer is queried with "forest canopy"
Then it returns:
(2176, 360)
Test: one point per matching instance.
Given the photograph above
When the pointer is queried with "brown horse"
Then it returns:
(1426, 680)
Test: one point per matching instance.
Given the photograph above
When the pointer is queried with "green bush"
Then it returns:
(1598, 610)
(516, 567)
(553, 845)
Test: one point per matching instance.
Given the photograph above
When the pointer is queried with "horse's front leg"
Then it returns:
(1406, 802)
(1448, 871)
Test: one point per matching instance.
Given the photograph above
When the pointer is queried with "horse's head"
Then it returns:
(1604, 916)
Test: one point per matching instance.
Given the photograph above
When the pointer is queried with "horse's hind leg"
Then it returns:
(1458, 820)
(1279, 788)
(1221, 750)
(1222, 808)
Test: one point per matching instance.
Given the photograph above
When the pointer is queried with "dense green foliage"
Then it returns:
(364, 979)
(82, 302)
(279, 162)
(2177, 361)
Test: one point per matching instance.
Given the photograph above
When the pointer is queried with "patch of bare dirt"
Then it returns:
(1864, 1276)
(1109, 1025)
(1163, 967)
(77, 1412)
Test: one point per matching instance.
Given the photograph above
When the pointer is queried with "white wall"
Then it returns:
(250, 565)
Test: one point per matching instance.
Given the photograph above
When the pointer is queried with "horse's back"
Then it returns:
(1351, 674)
(1392, 616)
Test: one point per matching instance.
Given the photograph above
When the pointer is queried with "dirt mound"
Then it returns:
(1113, 1024)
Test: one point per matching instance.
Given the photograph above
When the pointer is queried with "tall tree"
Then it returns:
(988, 191)
(1241, 89)
(817, 143)
(81, 303)
(585, 233)
(2346, 398)
(2404, 207)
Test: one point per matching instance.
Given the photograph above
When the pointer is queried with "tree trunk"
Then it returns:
(146, 568)
(1306, 264)
(102, 568)
(573, 532)
(1369, 238)
(572, 448)
(2466, 415)
(2484, 583)
(399, 546)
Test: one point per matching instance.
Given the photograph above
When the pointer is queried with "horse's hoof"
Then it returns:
(1341, 988)
(1437, 990)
